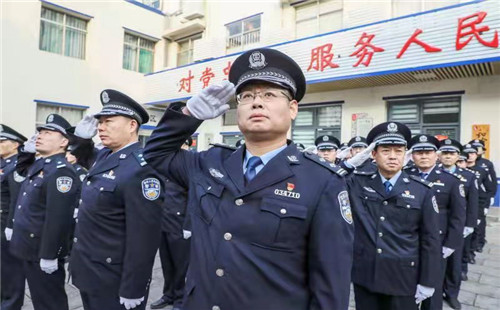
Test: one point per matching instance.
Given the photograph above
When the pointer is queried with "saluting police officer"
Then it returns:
(174, 248)
(272, 226)
(118, 229)
(12, 287)
(396, 245)
(43, 216)
(490, 185)
(357, 145)
(449, 153)
(327, 147)
(450, 196)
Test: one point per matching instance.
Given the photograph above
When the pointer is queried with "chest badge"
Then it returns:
(215, 173)
(407, 194)
(110, 175)
(287, 193)
(369, 189)
(290, 186)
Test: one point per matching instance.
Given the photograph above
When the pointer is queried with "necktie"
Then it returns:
(388, 187)
(252, 163)
(423, 175)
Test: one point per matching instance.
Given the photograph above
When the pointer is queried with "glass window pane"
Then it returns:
(76, 22)
(75, 43)
(304, 118)
(129, 57)
(306, 28)
(145, 61)
(52, 15)
(404, 113)
(231, 139)
(252, 23)
(73, 116)
(234, 28)
(150, 45)
(42, 111)
(441, 112)
(329, 116)
(230, 117)
(330, 21)
(130, 39)
(304, 136)
(51, 37)
(451, 132)
(306, 11)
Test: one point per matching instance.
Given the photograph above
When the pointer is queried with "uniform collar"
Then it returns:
(265, 158)
(392, 180)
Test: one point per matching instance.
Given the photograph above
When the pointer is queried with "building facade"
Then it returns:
(433, 65)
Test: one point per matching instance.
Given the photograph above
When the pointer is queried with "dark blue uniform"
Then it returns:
(42, 225)
(485, 192)
(283, 241)
(450, 196)
(455, 265)
(396, 243)
(174, 249)
(13, 279)
(118, 229)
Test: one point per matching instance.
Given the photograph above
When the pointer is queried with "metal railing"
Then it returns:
(244, 39)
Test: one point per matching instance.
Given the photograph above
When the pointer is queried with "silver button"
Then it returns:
(19, 206)
(382, 218)
(384, 203)
(219, 272)
(88, 182)
(209, 188)
(408, 206)
(215, 308)
(109, 260)
(80, 201)
(283, 211)
(238, 202)
(76, 220)
(31, 181)
(24, 194)
(412, 264)
(32, 235)
(379, 251)
(439, 191)
(228, 236)
(178, 213)
(440, 232)
(101, 189)
(380, 234)
(13, 220)
(75, 240)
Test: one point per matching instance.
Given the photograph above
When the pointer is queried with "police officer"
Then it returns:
(327, 147)
(118, 229)
(450, 196)
(449, 153)
(43, 216)
(485, 192)
(490, 185)
(356, 145)
(396, 243)
(174, 248)
(271, 225)
(12, 288)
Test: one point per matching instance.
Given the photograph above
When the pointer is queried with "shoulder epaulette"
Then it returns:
(452, 173)
(420, 180)
(140, 158)
(232, 148)
(364, 172)
(330, 166)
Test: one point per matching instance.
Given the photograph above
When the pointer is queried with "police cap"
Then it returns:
(56, 122)
(450, 145)
(469, 148)
(424, 143)
(327, 143)
(477, 143)
(358, 141)
(389, 133)
(117, 103)
(344, 145)
(7, 133)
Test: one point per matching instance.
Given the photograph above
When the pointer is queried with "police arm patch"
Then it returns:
(18, 178)
(435, 204)
(151, 188)
(345, 206)
(461, 190)
(64, 184)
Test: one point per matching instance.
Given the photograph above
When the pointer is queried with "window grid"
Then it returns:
(139, 47)
(247, 32)
(312, 122)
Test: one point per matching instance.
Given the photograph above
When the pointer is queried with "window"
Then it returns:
(138, 54)
(312, 122)
(72, 115)
(62, 34)
(152, 3)
(318, 16)
(231, 139)
(243, 32)
(431, 115)
(185, 51)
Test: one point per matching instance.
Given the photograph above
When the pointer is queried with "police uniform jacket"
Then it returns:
(491, 183)
(396, 243)
(118, 229)
(450, 196)
(10, 182)
(174, 208)
(281, 242)
(485, 190)
(44, 210)
(470, 181)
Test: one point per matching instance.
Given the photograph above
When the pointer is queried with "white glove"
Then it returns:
(130, 303)
(362, 156)
(407, 157)
(485, 211)
(468, 231)
(29, 145)
(343, 154)
(212, 101)
(8, 233)
(423, 292)
(492, 201)
(87, 127)
(48, 265)
(447, 252)
(186, 234)
(75, 213)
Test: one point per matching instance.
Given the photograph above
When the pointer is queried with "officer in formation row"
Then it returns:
(262, 226)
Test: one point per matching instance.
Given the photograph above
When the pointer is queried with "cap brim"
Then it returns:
(52, 128)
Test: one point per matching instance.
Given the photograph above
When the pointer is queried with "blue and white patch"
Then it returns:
(435, 204)
(18, 178)
(64, 184)
(345, 206)
(151, 188)
(461, 190)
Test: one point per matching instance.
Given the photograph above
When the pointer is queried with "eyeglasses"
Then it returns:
(248, 97)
